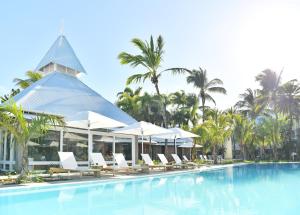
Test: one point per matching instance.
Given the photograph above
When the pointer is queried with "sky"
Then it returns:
(233, 40)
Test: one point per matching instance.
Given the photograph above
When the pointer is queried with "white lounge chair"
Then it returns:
(148, 161)
(178, 161)
(164, 161)
(68, 163)
(98, 160)
(208, 160)
(123, 165)
(185, 158)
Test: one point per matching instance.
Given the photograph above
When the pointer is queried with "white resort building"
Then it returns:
(60, 92)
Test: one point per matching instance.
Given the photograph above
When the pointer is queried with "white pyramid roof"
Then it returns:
(63, 94)
(61, 53)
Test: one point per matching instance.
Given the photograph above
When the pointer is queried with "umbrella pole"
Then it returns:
(142, 143)
(114, 150)
(175, 146)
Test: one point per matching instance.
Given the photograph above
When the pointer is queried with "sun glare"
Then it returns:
(269, 38)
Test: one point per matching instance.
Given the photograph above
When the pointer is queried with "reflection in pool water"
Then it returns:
(249, 189)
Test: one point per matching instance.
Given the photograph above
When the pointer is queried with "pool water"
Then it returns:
(246, 189)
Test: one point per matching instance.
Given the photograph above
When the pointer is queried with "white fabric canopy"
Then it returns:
(189, 145)
(92, 120)
(142, 129)
(176, 133)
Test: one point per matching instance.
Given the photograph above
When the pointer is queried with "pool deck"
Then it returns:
(76, 180)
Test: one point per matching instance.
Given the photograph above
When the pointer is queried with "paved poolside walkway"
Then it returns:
(75, 179)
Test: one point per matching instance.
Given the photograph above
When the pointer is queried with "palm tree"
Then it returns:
(275, 124)
(270, 83)
(249, 104)
(129, 101)
(219, 129)
(12, 93)
(12, 119)
(31, 78)
(289, 103)
(199, 79)
(150, 58)
(243, 132)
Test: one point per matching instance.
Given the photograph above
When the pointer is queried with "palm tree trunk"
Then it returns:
(203, 109)
(215, 154)
(164, 115)
(24, 168)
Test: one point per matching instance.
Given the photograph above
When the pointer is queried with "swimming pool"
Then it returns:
(246, 189)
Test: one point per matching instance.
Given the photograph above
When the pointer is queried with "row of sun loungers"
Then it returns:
(98, 164)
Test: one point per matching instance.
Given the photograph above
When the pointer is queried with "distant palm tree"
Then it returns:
(218, 129)
(270, 83)
(129, 101)
(243, 132)
(289, 103)
(199, 79)
(249, 104)
(31, 78)
(150, 58)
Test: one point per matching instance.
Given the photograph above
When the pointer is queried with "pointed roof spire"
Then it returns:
(61, 53)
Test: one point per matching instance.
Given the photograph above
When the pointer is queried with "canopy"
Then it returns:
(142, 129)
(92, 120)
(190, 145)
(175, 133)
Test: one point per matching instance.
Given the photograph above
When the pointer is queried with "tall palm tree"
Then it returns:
(150, 58)
(12, 119)
(31, 78)
(270, 82)
(289, 103)
(200, 80)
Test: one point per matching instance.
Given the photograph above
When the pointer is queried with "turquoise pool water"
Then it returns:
(247, 189)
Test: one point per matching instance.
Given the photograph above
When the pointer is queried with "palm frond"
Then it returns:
(217, 90)
(136, 78)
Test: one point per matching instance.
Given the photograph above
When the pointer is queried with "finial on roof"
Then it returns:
(62, 27)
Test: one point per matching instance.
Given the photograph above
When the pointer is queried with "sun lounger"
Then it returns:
(148, 161)
(185, 158)
(178, 161)
(69, 164)
(123, 165)
(164, 161)
(97, 160)
(208, 160)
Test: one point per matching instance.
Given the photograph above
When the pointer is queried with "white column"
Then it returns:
(133, 150)
(114, 149)
(4, 153)
(61, 140)
(1, 147)
(90, 145)
(11, 152)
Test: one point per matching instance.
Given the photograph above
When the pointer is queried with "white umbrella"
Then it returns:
(92, 120)
(142, 129)
(190, 145)
(176, 133)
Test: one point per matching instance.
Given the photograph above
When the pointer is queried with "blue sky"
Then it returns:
(234, 40)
